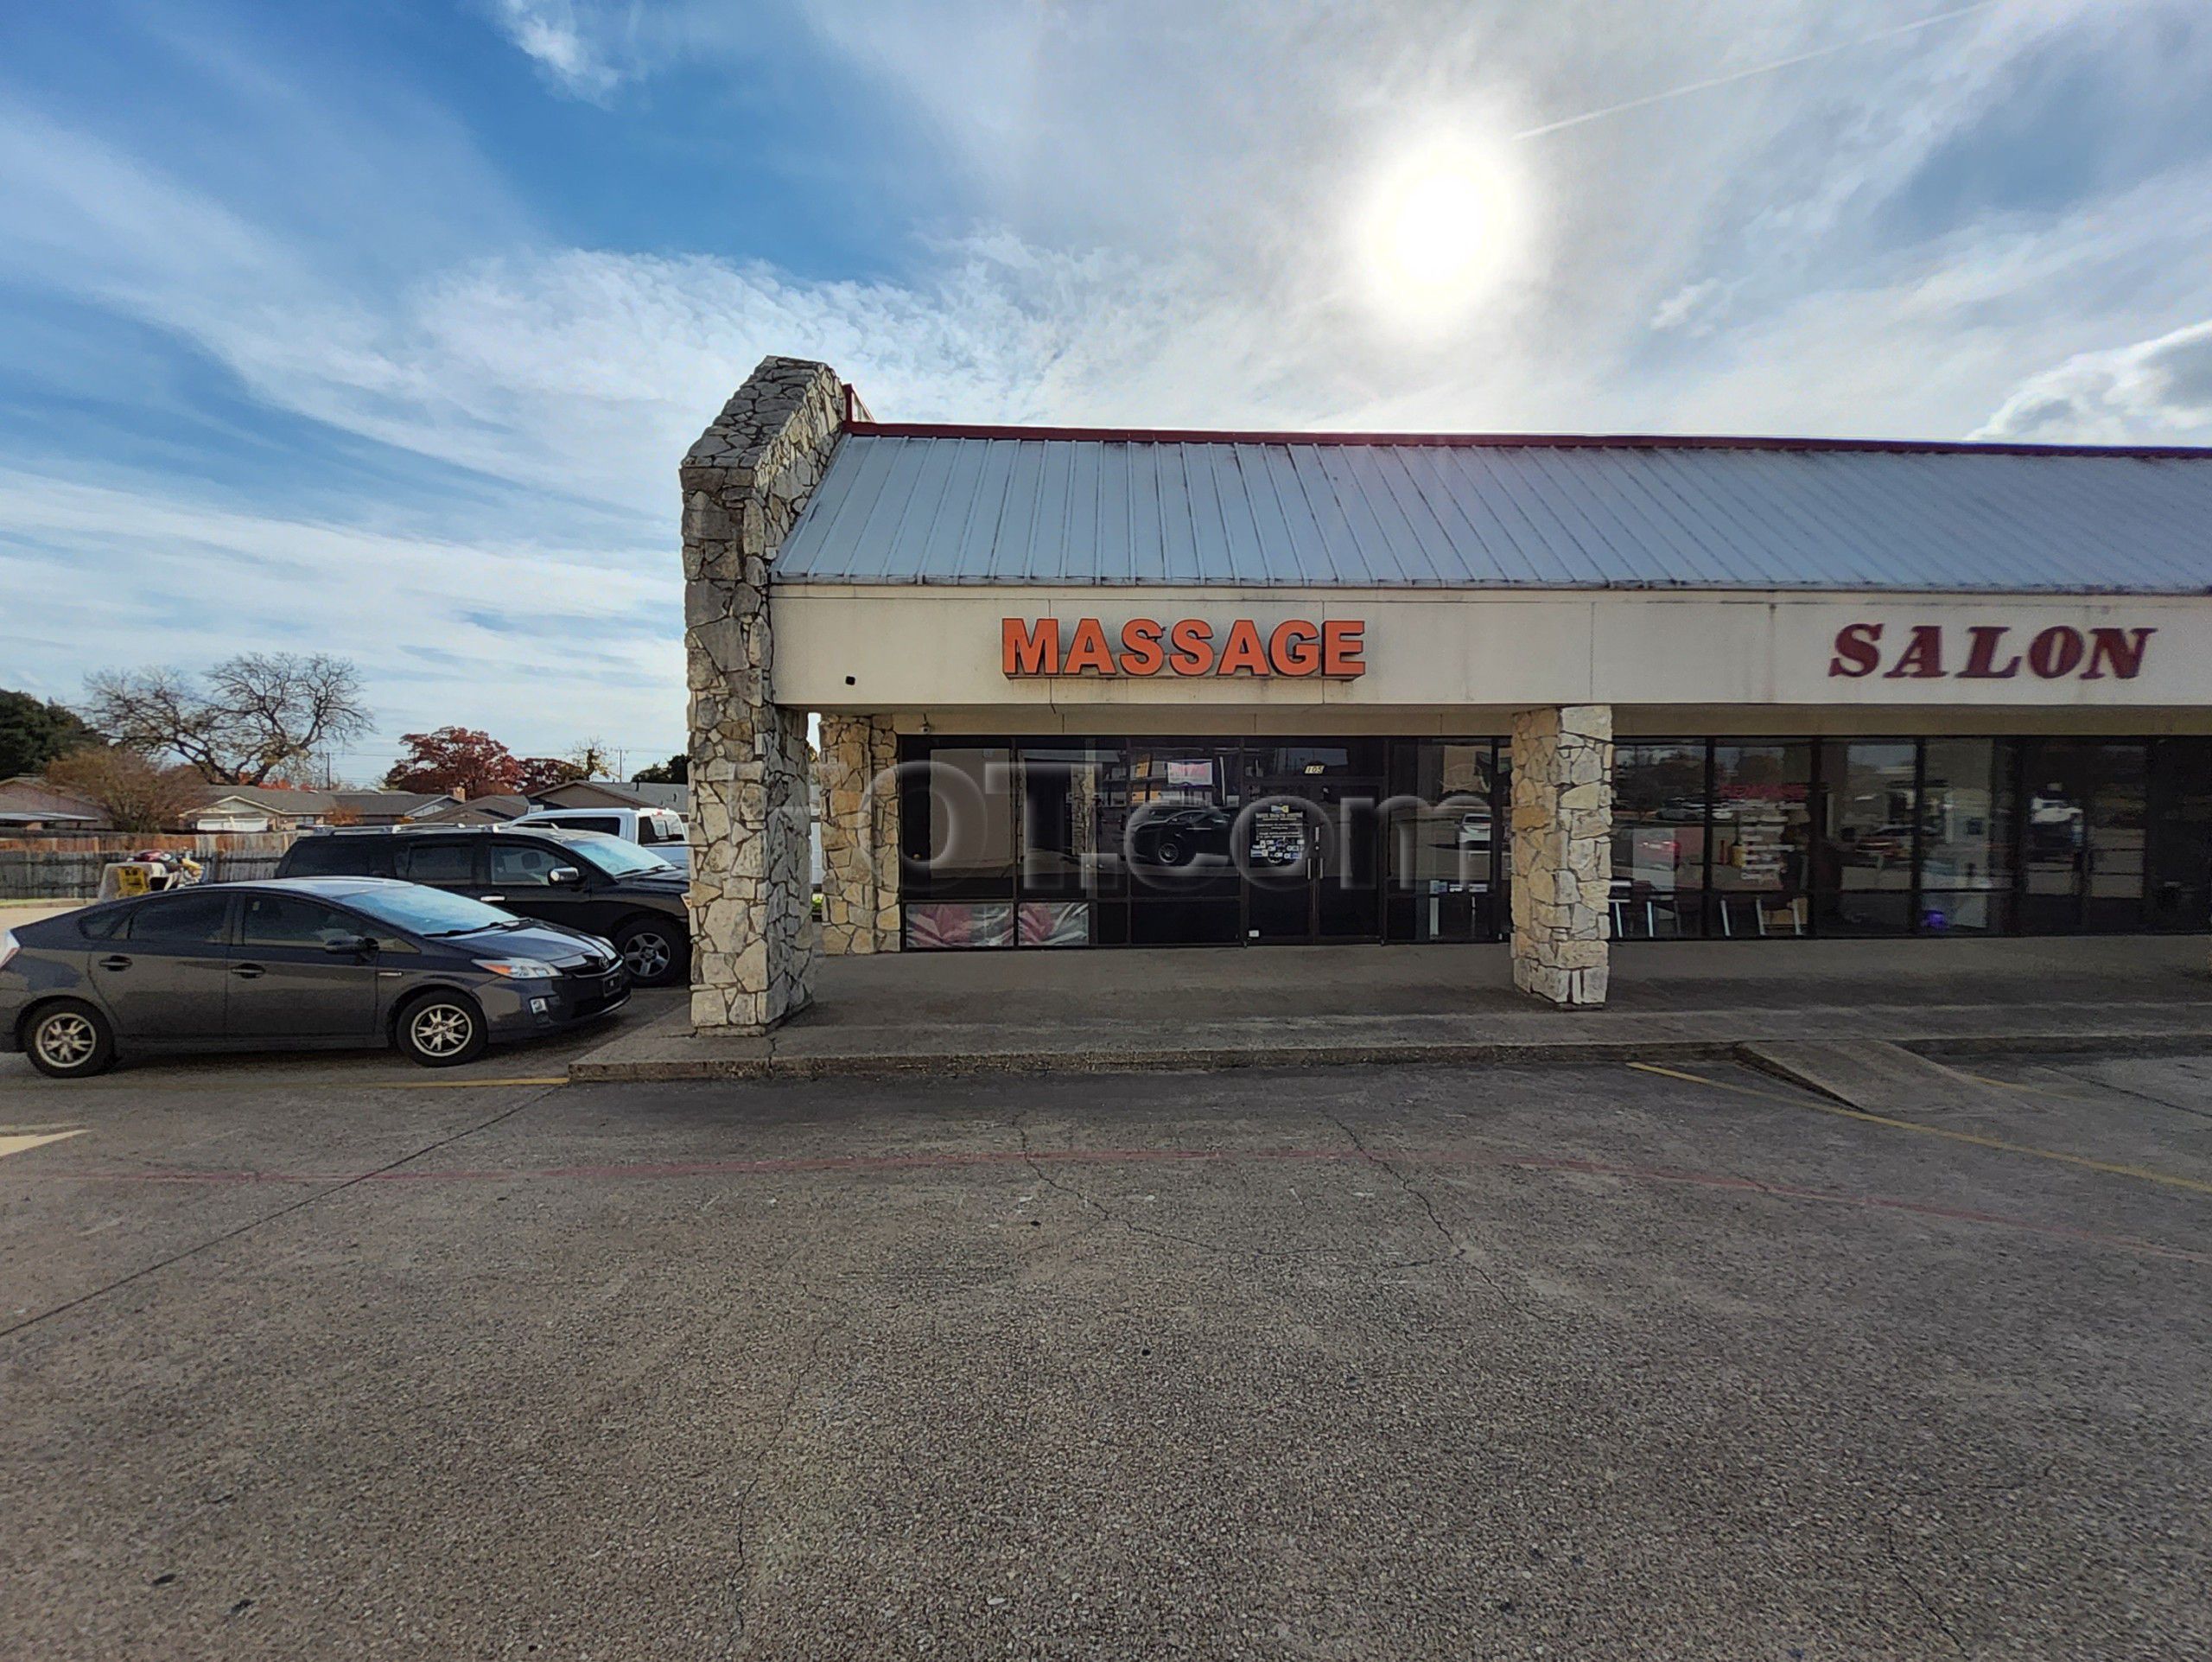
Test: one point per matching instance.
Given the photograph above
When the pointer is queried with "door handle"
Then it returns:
(488, 899)
(116, 961)
(247, 971)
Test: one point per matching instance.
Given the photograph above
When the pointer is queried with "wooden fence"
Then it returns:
(68, 868)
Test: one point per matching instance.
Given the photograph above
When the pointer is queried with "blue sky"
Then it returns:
(377, 330)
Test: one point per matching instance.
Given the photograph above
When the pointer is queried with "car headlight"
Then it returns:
(519, 969)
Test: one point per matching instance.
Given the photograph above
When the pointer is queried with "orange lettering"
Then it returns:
(1031, 649)
(1140, 653)
(1343, 641)
(1193, 644)
(1243, 655)
(1295, 648)
(1087, 651)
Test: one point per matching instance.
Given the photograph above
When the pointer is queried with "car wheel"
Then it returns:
(1170, 852)
(652, 951)
(441, 1029)
(69, 1041)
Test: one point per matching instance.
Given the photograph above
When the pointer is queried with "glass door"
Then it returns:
(1307, 841)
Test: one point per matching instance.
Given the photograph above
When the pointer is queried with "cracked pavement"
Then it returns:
(1405, 1362)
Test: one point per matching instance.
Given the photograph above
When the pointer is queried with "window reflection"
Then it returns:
(1761, 839)
(1442, 841)
(1658, 840)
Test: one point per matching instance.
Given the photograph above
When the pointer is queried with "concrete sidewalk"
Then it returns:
(1197, 1008)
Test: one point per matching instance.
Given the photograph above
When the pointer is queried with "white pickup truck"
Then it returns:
(657, 831)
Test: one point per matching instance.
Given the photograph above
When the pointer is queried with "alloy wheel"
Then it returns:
(647, 955)
(66, 1040)
(441, 1029)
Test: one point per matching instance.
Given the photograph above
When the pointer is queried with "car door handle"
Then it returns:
(488, 898)
(117, 962)
(247, 971)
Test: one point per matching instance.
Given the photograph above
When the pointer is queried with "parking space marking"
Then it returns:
(2112, 1168)
(24, 1142)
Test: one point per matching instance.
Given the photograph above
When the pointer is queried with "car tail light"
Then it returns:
(7, 947)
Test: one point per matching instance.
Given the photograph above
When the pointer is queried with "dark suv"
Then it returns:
(598, 884)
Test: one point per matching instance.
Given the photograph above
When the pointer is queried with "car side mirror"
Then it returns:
(349, 946)
(564, 876)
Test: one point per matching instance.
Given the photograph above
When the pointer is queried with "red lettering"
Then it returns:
(1031, 649)
(2113, 646)
(2056, 652)
(1242, 654)
(1087, 651)
(1983, 654)
(1140, 652)
(1295, 648)
(1192, 640)
(1923, 658)
(1856, 654)
(1343, 641)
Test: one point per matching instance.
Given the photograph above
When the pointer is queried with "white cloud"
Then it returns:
(2160, 388)
(549, 32)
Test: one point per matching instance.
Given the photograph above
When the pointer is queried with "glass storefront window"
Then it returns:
(962, 846)
(2180, 885)
(1062, 789)
(2085, 835)
(1966, 838)
(1167, 820)
(1862, 866)
(1761, 834)
(1442, 838)
(1659, 836)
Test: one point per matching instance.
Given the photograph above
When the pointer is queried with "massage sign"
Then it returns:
(1331, 649)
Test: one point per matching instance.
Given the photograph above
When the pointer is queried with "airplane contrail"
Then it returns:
(1759, 69)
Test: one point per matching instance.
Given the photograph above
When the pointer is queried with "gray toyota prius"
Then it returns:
(301, 962)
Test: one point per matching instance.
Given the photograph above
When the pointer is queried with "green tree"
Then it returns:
(34, 732)
(676, 770)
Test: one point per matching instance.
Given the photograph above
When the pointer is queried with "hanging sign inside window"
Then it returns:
(1332, 648)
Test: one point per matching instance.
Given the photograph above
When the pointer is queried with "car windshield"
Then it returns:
(426, 911)
(616, 858)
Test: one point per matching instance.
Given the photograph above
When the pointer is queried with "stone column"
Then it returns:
(860, 834)
(1562, 852)
(753, 939)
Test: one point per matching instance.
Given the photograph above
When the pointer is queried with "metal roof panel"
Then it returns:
(1126, 510)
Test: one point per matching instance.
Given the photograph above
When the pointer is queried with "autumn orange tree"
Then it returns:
(455, 759)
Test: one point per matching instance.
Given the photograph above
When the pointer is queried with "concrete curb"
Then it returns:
(767, 1064)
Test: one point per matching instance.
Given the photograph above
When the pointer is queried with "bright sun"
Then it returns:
(1442, 229)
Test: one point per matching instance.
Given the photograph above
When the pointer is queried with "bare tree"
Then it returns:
(136, 795)
(255, 716)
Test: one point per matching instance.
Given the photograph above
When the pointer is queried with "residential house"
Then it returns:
(28, 803)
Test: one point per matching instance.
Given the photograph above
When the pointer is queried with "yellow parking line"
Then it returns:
(2114, 1167)
(23, 1142)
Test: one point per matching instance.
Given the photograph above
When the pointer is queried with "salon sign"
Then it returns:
(1332, 648)
(1987, 652)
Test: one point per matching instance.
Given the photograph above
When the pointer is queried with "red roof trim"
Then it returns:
(1514, 441)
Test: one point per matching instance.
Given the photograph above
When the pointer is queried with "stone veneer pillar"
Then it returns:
(752, 934)
(860, 834)
(1562, 851)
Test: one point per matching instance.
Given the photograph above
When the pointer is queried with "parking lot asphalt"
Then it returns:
(1408, 1362)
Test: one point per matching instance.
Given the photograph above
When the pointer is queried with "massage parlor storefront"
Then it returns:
(1146, 689)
